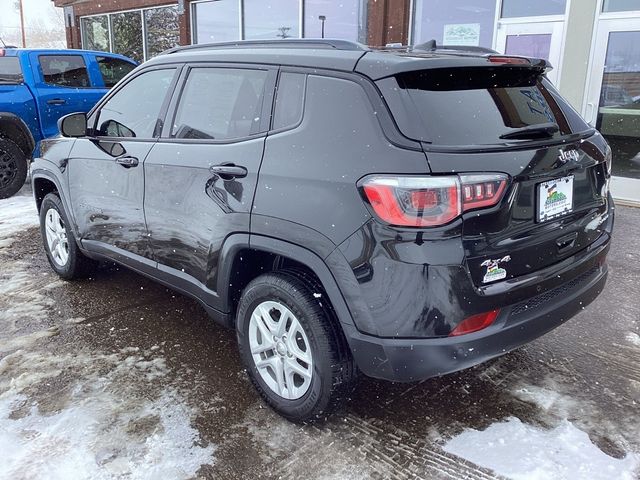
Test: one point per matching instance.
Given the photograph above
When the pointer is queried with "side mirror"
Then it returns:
(73, 125)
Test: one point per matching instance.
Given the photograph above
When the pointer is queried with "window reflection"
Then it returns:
(217, 21)
(619, 110)
(345, 20)
(271, 20)
(455, 22)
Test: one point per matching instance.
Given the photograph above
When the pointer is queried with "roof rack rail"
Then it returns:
(431, 46)
(290, 42)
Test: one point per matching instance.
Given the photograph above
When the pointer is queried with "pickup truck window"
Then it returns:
(64, 70)
(10, 71)
(113, 69)
(134, 109)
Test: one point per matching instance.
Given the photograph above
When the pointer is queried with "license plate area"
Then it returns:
(555, 198)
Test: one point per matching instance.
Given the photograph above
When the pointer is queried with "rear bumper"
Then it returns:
(408, 359)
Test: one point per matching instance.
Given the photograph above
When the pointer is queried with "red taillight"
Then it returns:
(475, 323)
(431, 201)
(509, 60)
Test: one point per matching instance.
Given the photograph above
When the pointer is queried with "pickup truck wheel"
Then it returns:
(13, 168)
(294, 351)
(60, 245)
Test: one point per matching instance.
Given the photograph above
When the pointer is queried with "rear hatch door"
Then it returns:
(509, 119)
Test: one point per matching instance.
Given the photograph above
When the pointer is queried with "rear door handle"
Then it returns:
(127, 162)
(56, 101)
(227, 171)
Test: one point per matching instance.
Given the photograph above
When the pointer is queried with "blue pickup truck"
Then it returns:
(37, 87)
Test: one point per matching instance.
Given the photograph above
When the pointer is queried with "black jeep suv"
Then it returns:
(403, 213)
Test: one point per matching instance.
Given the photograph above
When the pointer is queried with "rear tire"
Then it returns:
(13, 168)
(317, 370)
(60, 245)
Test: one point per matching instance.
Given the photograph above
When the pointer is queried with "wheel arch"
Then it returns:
(265, 254)
(13, 128)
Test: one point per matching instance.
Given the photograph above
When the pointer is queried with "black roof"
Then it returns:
(336, 55)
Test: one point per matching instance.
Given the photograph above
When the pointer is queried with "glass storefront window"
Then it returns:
(95, 33)
(217, 21)
(345, 20)
(162, 28)
(529, 45)
(126, 29)
(271, 20)
(620, 5)
(455, 22)
(619, 109)
(518, 8)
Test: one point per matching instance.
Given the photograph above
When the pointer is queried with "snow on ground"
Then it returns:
(524, 452)
(16, 214)
(101, 419)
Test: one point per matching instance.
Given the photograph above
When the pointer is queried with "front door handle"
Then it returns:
(227, 171)
(57, 101)
(127, 162)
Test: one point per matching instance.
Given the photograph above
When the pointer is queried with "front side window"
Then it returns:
(10, 70)
(220, 104)
(134, 109)
(113, 69)
(64, 70)
(455, 22)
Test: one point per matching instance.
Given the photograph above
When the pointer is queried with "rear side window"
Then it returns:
(134, 109)
(289, 100)
(64, 70)
(113, 69)
(476, 106)
(220, 104)
(10, 70)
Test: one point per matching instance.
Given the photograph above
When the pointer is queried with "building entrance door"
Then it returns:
(613, 100)
(533, 39)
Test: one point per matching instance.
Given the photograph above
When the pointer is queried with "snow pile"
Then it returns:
(16, 214)
(519, 451)
(101, 419)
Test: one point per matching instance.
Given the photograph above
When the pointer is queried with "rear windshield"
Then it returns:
(476, 106)
(10, 71)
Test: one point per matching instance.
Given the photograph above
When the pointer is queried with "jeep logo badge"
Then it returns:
(568, 155)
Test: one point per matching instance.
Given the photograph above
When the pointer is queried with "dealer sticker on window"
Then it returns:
(555, 198)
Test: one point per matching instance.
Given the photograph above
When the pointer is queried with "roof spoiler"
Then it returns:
(432, 46)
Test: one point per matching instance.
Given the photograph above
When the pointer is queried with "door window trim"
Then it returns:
(94, 113)
(266, 109)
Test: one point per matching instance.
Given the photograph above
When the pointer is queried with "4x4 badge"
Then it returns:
(494, 272)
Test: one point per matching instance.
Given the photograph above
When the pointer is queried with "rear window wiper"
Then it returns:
(542, 130)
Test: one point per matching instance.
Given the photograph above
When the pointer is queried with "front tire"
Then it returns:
(294, 350)
(60, 245)
(13, 168)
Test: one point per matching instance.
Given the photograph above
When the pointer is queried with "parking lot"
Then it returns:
(116, 376)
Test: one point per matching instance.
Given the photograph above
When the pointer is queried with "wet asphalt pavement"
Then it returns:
(118, 377)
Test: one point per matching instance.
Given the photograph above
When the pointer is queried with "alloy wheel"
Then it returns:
(57, 240)
(281, 350)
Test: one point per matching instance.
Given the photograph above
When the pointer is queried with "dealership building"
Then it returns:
(594, 45)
